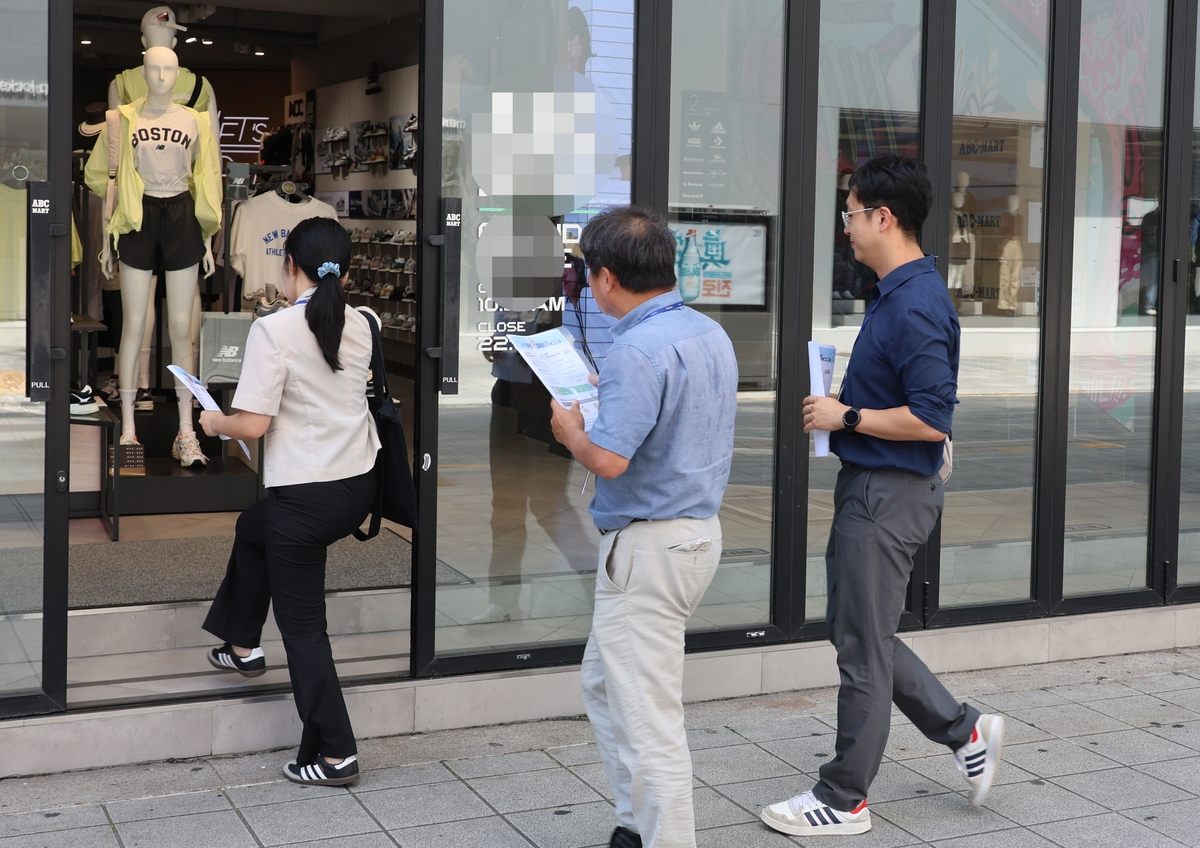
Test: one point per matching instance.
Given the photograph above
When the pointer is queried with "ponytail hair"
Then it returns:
(320, 249)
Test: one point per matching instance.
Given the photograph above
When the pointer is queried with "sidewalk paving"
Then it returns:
(1098, 753)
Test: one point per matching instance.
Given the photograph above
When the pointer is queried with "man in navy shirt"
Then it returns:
(889, 425)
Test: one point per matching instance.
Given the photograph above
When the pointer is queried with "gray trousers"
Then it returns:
(880, 518)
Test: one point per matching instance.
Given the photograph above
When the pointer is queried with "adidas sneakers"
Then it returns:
(143, 401)
(977, 760)
(187, 450)
(224, 659)
(83, 402)
(804, 815)
(321, 772)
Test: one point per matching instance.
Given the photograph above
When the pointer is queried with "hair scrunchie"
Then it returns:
(329, 268)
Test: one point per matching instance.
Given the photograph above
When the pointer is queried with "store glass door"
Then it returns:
(26, 673)
(535, 140)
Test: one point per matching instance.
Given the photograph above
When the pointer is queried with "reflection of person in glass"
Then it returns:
(526, 478)
(579, 40)
(889, 426)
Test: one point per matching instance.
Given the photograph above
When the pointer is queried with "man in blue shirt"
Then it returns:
(661, 449)
(889, 425)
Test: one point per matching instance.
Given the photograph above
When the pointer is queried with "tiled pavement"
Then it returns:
(1099, 753)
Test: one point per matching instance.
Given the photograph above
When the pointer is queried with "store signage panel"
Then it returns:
(733, 260)
(704, 171)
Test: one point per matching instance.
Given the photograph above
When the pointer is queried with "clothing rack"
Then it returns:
(237, 189)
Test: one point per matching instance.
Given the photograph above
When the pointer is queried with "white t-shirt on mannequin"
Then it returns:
(164, 148)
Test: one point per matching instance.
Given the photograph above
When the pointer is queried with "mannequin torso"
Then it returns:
(164, 149)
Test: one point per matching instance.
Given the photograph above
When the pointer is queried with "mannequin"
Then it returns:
(962, 247)
(169, 161)
(1012, 256)
(158, 30)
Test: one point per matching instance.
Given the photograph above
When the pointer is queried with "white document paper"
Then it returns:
(552, 357)
(201, 394)
(820, 378)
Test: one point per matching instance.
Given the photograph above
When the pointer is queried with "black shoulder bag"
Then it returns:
(396, 499)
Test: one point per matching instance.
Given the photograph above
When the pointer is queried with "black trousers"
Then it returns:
(279, 557)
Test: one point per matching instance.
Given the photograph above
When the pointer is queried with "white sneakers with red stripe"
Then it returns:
(977, 760)
(804, 815)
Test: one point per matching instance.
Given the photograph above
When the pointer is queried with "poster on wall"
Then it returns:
(732, 263)
(339, 200)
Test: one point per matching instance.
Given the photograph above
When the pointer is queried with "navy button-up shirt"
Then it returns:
(906, 355)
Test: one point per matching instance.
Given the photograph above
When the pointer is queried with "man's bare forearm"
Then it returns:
(898, 425)
(600, 461)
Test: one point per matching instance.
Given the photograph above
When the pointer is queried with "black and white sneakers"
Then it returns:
(83, 402)
(225, 659)
(805, 815)
(977, 760)
(321, 772)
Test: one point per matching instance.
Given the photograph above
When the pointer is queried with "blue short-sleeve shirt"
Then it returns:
(906, 355)
(668, 398)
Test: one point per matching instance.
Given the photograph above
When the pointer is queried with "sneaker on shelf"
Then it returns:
(366, 236)
(374, 264)
(328, 137)
(409, 323)
(411, 238)
(386, 236)
(111, 390)
(410, 267)
(342, 160)
(83, 402)
(408, 295)
(143, 401)
(388, 288)
(356, 235)
(804, 815)
(356, 260)
(376, 157)
(978, 759)
(385, 319)
(397, 266)
(411, 124)
(320, 772)
(251, 297)
(399, 237)
(187, 450)
(224, 659)
(266, 307)
(340, 134)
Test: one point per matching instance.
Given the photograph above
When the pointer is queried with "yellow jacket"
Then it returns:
(206, 174)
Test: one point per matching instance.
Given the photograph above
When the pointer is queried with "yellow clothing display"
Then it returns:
(13, 202)
(206, 175)
(131, 86)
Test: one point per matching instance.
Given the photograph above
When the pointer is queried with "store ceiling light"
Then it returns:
(206, 41)
(258, 51)
(191, 40)
(85, 39)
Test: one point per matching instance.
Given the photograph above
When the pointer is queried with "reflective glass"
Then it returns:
(1189, 496)
(869, 90)
(536, 130)
(726, 119)
(1114, 295)
(23, 130)
(994, 278)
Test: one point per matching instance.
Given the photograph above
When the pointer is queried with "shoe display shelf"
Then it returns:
(383, 277)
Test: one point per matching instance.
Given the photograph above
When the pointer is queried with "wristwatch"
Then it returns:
(851, 418)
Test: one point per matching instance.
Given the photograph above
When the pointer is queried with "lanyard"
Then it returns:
(304, 300)
(671, 308)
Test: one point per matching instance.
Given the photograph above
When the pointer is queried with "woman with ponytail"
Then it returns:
(303, 386)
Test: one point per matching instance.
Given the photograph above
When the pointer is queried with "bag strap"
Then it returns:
(196, 89)
(379, 394)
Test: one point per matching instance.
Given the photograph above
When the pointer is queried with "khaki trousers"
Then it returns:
(650, 579)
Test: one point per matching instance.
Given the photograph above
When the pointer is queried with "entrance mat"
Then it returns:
(157, 571)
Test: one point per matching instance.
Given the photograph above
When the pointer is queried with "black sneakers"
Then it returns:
(224, 659)
(320, 772)
(623, 837)
(83, 402)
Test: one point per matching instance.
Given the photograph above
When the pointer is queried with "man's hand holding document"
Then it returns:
(820, 377)
(551, 355)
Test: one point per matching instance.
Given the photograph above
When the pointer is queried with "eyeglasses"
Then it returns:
(846, 215)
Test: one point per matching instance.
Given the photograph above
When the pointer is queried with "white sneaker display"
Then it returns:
(978, 759)
(187, 450)
(804, 815)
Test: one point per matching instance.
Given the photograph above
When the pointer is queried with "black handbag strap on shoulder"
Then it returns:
(379, 395)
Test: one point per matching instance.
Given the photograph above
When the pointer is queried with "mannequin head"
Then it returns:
(958, 200)
(160, 66)
(159, 28)
(963, 180)
(1014, 203)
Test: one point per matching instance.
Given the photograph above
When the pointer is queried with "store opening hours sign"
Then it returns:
(732, 262)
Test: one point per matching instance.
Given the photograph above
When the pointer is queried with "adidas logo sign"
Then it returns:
(719, 128)
(693, 126)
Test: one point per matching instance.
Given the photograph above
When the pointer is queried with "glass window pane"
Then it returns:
(994, 277)
(23, 130)
(869, 94)
(1114, 296)
(1189, 496)
(726, 119)
(536, 121)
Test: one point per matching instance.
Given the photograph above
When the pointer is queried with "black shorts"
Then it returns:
(169, 239)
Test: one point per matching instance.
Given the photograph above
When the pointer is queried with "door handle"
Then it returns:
(451, 287)
(39, 252)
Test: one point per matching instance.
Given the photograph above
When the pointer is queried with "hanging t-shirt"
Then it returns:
(164, 148)
(260, 227)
